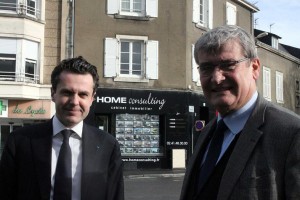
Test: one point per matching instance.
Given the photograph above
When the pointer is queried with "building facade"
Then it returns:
(30, 46)
(150, 96)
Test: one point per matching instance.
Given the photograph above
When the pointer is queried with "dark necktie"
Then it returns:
(212, 154)
(63, 177)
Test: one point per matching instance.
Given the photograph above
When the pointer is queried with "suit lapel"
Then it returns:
(245, 145)
(41, 143)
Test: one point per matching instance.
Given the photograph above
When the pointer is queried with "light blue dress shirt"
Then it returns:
(235, 122)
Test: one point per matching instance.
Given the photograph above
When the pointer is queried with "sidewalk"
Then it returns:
(154, 173)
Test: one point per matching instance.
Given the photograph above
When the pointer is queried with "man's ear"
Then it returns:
(255, 68)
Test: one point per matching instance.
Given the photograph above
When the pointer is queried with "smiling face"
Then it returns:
(73, 97)
(228, 91)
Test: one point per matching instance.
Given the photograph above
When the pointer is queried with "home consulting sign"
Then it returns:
(138, 101)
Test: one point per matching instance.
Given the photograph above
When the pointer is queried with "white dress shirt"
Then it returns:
(75, 142)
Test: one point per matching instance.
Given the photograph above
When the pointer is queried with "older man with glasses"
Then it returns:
(251, 149)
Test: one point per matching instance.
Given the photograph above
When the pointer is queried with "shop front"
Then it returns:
(18, 113)
(148, 124)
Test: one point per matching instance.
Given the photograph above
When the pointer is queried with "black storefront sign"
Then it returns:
(178, 111)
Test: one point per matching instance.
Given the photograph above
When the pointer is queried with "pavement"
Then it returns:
(154, 173)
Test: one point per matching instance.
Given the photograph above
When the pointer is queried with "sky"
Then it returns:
(284, 15)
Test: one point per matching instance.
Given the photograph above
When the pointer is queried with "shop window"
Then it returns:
(131, 58)
(230, 14)
(135, 8)
(138, 134)
(202, 13)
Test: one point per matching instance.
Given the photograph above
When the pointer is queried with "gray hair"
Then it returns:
(213, 41)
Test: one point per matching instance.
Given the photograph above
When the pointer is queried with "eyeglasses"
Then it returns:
(208, 68)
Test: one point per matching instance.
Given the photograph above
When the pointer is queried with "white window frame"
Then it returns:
(231, 14)
(30, 9)
(130, 59)
(267, 83)
(149, 9)
(279, 87)
(112, 59)
(203, 13)
(24, 50)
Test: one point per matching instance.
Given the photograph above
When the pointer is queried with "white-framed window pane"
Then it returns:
(131, 6)
(7, 66)
(137, 6)
(125, 5)
(9, 5)
(31, 7)
(30, 70)
(131, 58)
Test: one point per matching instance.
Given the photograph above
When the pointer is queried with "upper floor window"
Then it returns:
(230, 14)
(136, 8)
(202, 13)
(274, 42)
(267, 83)
(279, 87)
(195, 71)
(22, 7)
(18, 60)
(131, 58)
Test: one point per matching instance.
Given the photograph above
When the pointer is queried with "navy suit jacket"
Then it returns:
(25, 167)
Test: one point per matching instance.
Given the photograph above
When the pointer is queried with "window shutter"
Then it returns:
(31, 49)
(113, 7)
(196, 11)
(210, 14)
(230, 14)
(152, 8)
(110, 57)
(195, 73)
(8, 46)
(152, 59)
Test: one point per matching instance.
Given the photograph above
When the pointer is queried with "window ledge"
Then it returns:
(198, 25)
(139, 18)
(131, 79)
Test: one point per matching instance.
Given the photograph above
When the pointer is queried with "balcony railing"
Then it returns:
(19, 77)
(20, 9)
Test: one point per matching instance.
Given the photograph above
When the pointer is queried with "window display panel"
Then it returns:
(138, 134)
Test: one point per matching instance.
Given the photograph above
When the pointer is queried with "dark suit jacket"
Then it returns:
(25, 168)
(265, 162)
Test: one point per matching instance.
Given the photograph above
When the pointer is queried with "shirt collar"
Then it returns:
(237, 120)
(58, 127)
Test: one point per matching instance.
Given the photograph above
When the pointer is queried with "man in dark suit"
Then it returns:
(258, 157)
(30, 160)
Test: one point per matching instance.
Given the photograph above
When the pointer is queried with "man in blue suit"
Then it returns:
(30, 158)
